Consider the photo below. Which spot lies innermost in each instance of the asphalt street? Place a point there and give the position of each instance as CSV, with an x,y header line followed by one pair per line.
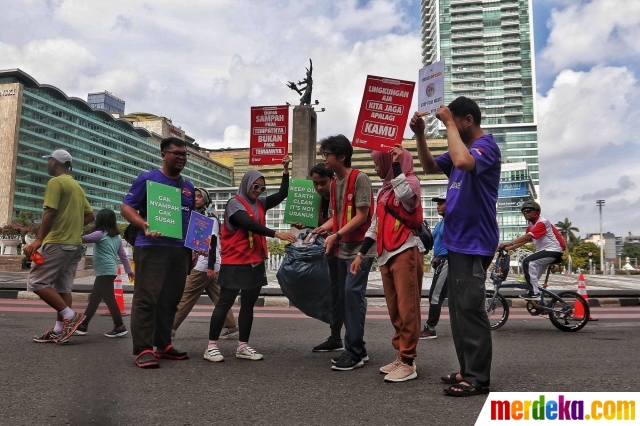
x,y
93,381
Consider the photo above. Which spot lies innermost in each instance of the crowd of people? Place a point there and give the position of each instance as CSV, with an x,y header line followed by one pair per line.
x,y
357,228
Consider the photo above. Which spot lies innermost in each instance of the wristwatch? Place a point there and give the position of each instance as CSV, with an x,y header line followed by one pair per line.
x,y
360,255
338,236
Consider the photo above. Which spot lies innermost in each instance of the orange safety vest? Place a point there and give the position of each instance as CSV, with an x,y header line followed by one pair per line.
x,y
393,233
349,209
242,247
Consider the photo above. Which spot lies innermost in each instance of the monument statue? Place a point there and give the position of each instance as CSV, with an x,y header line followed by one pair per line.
x,y
305,91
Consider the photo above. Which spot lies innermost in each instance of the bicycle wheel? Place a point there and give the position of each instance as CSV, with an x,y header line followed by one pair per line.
x,y
565,317
497,311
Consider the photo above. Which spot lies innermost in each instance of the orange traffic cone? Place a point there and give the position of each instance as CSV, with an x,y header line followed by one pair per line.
x,y
118,293
582,291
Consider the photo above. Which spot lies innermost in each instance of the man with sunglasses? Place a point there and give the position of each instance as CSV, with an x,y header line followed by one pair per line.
x,y
548,242
162,263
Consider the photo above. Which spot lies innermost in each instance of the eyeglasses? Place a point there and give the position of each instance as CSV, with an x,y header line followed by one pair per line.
x,y
258,187
179,154
525,211
326,155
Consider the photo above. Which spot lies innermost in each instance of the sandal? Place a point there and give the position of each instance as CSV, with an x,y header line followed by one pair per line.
x,y
146,359
465,389
171,353
451,379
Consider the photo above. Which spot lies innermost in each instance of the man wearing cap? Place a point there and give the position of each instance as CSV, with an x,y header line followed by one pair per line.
x,y
548,242
438,291
59,240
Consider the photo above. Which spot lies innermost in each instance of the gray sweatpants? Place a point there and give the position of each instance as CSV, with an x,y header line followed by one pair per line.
x,y
535,265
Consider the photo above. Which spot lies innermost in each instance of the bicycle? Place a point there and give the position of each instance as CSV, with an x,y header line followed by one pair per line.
x,y
561,307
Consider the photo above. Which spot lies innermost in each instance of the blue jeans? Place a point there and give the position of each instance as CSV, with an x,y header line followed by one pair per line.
x,y
353,304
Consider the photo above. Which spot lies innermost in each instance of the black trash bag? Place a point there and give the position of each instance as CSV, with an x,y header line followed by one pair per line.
x,y
304,279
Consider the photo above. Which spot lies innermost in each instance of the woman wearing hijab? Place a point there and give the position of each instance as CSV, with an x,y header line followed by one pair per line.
x,y
244,250
400,255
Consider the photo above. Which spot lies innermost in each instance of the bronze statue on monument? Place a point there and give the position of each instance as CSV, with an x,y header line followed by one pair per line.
x,y
304,92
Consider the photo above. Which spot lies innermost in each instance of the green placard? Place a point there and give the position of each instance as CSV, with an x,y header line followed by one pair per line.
x,y
303,203
164,209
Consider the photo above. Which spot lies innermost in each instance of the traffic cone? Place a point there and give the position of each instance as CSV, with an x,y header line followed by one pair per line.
x,y
118,293
582,291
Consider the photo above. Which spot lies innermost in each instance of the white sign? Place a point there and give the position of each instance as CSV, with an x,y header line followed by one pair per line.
x,y
431,87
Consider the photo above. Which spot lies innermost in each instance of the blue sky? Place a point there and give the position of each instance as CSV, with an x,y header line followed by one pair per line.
x,y
205,64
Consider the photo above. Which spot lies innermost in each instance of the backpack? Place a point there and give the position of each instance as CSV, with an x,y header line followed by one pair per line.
x,y
131,231
423,232
501,266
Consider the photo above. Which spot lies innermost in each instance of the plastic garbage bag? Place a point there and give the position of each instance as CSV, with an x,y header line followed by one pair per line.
x,y
304,279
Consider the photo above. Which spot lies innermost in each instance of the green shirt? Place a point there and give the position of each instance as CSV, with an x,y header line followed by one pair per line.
x,y
67,197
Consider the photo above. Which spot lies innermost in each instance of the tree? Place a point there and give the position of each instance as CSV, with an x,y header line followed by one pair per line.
x,y
580,255
567,230
630,250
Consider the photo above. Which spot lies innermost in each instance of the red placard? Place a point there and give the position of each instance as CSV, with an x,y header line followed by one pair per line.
x,y
383,113
269,134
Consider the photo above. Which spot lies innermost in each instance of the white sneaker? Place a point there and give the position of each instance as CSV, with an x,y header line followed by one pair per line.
x,y
213,354
248,353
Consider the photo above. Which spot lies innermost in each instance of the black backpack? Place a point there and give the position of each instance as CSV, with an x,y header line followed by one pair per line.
x,y
132,231
424,232
501,266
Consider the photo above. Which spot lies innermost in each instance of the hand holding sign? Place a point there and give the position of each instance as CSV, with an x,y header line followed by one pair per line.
x,y
397,152
150,234
444,114
286,160
417,124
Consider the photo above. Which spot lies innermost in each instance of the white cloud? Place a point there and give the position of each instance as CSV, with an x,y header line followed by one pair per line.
x,y
590,32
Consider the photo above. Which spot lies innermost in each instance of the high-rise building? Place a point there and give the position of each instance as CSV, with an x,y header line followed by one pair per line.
x,y
487,46
105,101
108,153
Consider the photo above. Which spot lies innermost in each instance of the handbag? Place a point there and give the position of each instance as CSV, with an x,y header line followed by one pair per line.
x,y
132,231
423,232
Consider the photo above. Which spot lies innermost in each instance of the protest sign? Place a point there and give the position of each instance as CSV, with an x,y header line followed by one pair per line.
x,y
269,140
383,113
164,209
431,87
199,232
303,203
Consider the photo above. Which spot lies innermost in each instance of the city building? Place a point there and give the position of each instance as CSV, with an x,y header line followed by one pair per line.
x,y
105,101
516,187
108,153
487,46
162,126
611,252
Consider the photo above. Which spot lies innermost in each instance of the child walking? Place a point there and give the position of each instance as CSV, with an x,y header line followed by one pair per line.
x,y
107,248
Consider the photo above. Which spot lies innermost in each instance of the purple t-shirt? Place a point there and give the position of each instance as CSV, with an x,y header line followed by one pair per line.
x,y
472,226
137,198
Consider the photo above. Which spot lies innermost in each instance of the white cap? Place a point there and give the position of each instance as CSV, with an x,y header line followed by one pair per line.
x,y
441,197
61,156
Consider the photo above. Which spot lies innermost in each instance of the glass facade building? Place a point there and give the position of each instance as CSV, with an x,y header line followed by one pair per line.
x,y
487,46
106,102
108,154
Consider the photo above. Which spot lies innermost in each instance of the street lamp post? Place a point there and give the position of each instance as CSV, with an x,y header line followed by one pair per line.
x,y
600,203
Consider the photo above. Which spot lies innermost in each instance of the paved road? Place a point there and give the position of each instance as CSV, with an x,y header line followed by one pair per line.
x,y
92,380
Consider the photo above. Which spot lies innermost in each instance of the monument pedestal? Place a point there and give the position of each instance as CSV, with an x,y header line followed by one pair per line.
x,y
304,141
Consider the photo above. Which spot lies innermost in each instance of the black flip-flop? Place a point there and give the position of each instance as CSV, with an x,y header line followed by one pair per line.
x,y
466,390
450,379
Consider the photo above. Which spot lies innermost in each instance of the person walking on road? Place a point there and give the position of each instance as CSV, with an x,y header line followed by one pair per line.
x,y
400,255
204,275
322,178
244,250
59,240
352,205
161,263
471,235
438,290
549,245
107,249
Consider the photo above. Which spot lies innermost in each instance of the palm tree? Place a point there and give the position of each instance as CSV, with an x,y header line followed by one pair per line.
x,y
567,230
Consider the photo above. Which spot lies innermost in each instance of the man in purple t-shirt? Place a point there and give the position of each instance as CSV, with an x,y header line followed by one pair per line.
x,y
472,165
162,263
